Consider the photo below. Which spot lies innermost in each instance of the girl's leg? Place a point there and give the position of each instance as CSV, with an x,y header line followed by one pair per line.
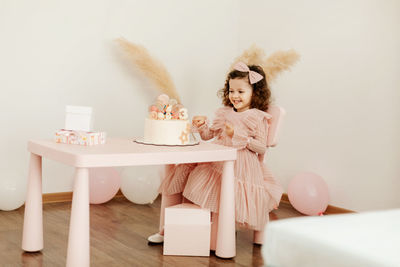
x,y
258,237
214,231
185,200
177,175
167,201
180,173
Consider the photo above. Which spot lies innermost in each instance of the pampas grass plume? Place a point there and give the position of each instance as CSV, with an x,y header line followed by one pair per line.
x,y
152,68
275,64
279,62
254,55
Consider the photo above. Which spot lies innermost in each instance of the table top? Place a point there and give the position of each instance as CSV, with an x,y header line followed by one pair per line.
x,y
126,152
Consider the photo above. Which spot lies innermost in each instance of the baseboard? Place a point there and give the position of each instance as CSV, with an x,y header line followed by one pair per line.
x,y
329,210
57,197
66,197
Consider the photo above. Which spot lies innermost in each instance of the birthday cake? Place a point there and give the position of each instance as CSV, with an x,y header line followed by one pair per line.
x,y
167,123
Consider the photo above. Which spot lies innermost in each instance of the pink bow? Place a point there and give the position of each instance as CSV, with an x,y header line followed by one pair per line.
x,y
253,76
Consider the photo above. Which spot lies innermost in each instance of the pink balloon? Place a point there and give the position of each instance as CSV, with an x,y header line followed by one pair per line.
x,y
308,193
104,184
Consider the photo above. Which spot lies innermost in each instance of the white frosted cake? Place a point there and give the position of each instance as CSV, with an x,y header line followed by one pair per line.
x,y
166,132
167,123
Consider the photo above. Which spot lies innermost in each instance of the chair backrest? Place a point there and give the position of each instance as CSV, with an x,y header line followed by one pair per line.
x,y
274,124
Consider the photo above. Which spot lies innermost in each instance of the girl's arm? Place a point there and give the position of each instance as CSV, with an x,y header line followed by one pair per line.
x,y
205,132
256,141
257,145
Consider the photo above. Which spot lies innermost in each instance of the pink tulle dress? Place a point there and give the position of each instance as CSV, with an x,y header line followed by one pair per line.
x,y
256,190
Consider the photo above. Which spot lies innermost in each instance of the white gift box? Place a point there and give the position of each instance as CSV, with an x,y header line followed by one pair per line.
x,y
78,118
187,230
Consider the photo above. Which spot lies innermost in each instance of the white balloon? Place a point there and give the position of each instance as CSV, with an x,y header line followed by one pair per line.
x,y
140,184
12,191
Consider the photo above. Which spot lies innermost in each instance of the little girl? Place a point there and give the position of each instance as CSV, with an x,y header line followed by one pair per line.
x,y
241,123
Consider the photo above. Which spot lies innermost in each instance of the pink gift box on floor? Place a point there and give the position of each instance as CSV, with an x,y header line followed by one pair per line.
x,y
187,230
80,137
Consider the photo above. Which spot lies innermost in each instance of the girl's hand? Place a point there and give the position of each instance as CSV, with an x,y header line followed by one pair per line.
x,y
198,121
229,130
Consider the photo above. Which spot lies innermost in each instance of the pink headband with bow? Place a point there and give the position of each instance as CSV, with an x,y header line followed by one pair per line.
x,y
254,77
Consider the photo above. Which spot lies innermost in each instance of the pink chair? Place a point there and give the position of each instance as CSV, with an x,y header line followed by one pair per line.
x,y
275,124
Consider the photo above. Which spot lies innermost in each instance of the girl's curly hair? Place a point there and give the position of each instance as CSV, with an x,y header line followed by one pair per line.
x,y
261,91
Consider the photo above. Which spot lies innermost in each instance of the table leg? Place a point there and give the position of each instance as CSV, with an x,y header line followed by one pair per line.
x,y
226,243
168,200
32,237
79,231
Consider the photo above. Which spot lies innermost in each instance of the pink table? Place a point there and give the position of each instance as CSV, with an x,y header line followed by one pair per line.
x,y
118,152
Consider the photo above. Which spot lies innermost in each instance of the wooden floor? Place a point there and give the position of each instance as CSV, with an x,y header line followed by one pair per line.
x,y
118,232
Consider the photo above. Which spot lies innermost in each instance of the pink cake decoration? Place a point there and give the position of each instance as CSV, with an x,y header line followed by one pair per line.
x,y
166,108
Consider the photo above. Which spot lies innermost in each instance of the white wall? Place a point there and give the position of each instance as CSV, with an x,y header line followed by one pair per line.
x,y
55,53
342,99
